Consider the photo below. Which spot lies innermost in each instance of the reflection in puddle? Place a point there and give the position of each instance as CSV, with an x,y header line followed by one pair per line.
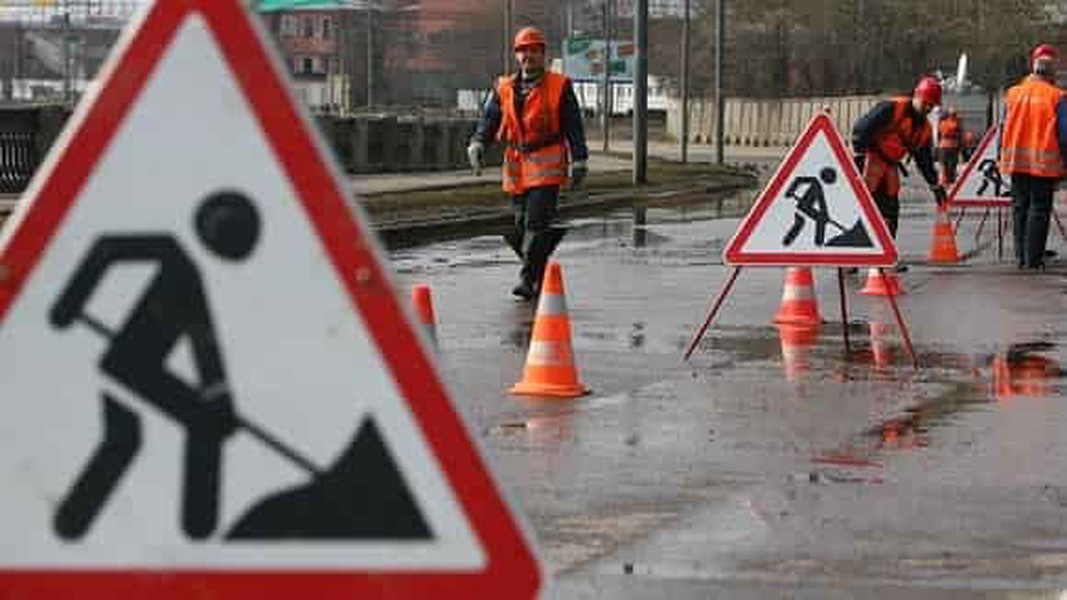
x,y
797,341
1021,371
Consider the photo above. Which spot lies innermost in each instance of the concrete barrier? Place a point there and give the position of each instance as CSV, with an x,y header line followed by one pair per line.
x,y
390,143
762,122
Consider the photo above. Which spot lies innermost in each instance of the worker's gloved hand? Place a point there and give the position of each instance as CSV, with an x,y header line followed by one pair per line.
x,y
861,160
578,172
474,155
939,194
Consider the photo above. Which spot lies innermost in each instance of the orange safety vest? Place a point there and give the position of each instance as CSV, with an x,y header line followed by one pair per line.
x,y
535,154
1029,144
903,134
948,133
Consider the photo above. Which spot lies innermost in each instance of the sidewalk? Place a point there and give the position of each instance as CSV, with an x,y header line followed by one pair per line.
x,y
617,160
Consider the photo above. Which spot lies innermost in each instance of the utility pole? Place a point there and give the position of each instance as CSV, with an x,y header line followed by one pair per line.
x,y
605,92
640,172
68,66
720,101
685,84
507,37
370,56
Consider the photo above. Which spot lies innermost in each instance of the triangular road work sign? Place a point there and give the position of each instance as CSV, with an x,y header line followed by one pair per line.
x,y
816,210
214,391
981,182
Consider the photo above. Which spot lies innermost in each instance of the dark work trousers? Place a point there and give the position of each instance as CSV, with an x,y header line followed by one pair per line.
x,y
1031,208
889,207
883,180
535,211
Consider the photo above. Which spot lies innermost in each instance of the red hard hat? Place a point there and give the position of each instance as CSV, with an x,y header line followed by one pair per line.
x,y
1044,51
529,36
929,91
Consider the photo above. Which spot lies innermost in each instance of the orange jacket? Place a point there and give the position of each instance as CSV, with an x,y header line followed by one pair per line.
x,y
1029,143
948,133
903,134
536,153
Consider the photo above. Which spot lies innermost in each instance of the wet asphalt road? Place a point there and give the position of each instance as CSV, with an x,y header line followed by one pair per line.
x,y
772,464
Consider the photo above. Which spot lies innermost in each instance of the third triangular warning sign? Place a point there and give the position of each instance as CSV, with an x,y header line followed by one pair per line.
x,y
981,183
216,392
816,210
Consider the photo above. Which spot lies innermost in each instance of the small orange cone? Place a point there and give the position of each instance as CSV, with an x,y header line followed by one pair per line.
x,y
798,299
879,284
422,302
797,341
550,369
943,248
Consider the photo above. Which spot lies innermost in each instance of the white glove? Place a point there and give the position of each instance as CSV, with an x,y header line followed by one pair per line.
x,y
474,155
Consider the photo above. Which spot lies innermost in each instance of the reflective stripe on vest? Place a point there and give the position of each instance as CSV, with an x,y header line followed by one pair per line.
x,y
1029,144
536,155
902,135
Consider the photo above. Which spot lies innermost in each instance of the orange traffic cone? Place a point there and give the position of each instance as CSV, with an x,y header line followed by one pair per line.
x,y
943,248
798,299
550,369
881,284
797,341
423,304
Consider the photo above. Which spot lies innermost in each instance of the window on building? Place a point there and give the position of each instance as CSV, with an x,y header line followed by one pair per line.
x,y
288,25
327,28
309,27
308,65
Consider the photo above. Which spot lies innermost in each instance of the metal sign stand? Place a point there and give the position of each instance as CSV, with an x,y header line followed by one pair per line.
x,y
717,304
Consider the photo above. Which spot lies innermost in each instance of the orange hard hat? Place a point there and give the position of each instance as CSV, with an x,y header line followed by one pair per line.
x,y
1044,51
529,36
929,90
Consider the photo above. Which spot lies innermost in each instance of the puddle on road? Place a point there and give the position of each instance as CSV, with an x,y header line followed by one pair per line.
x,y
806,355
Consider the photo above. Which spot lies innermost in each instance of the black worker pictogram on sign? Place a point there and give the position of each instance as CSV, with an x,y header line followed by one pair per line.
x,y
815,210
811,206
223,395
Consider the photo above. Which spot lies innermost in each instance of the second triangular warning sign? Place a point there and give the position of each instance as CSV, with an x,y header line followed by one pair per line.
x,y
218,393
816,210
981,183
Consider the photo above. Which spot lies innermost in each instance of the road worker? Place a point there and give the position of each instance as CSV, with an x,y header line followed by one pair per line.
x,y
535,113
949,140
1033,140
886,135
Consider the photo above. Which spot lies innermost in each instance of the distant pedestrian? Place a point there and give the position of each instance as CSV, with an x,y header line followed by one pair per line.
x,y
889,132
949,140
1033,140
969,144
535,113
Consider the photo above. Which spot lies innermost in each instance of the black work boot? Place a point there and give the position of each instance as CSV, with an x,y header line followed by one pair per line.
x,y
524,290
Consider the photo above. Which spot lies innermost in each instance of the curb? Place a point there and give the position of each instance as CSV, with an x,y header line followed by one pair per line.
x,y
481,218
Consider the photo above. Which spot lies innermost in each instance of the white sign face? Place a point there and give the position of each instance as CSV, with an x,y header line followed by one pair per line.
x,y
981,183
194,386
815,210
